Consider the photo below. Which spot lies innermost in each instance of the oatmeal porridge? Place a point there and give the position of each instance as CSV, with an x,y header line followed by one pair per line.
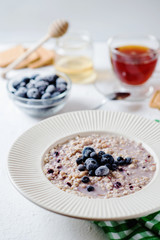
x,y
102,166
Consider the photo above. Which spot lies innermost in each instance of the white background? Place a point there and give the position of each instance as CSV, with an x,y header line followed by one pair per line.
x,y
27,20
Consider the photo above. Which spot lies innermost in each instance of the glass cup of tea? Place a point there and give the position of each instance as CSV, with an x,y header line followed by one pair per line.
x,y
133,61
74,56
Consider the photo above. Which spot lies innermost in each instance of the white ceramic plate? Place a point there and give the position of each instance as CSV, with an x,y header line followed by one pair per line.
x,y
25,165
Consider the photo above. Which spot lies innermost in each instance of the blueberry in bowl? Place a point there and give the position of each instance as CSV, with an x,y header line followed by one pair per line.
x,y
40,95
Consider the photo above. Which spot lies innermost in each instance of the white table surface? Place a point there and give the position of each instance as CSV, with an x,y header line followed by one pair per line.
x,y
21,219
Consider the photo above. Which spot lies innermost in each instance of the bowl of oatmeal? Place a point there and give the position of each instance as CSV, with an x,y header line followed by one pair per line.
x,y
94,165
99,166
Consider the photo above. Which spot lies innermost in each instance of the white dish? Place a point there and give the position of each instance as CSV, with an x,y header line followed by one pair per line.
x,y
25,164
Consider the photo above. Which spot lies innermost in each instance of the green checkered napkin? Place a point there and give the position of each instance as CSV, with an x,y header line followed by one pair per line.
x,y
142,228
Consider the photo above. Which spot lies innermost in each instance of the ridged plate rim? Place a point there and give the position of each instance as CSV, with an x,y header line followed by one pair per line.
x,y
25,171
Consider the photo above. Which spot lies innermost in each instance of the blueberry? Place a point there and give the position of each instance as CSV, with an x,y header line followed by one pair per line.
x,y
41,85
79,160
104,161
87,151
50,89
85,179
102,171
91,173
16,84
51,78
107,158
46,96
81,167
33,93
100,154
90,188
91,164
60,80
113,167
61,87
128,160
120,159
25,80
21,92
121,163
39,78
34,76
55,94
22,84
120,169
88,160
94,155
116,162
109,166
31,84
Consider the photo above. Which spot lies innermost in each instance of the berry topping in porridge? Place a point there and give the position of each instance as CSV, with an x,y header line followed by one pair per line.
x,y
90,188
39,87
81,167
102,171
102,166
85,179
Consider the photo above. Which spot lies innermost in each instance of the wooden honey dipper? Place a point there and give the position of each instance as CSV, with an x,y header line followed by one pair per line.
x,y
56,30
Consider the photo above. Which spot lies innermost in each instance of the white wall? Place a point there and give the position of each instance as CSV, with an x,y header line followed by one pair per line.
x,y
26,20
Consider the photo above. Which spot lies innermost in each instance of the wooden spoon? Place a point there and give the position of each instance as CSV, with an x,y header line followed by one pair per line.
x,y
56,30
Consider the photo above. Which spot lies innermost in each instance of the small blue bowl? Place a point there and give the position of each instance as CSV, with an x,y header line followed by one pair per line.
x,y
41,108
